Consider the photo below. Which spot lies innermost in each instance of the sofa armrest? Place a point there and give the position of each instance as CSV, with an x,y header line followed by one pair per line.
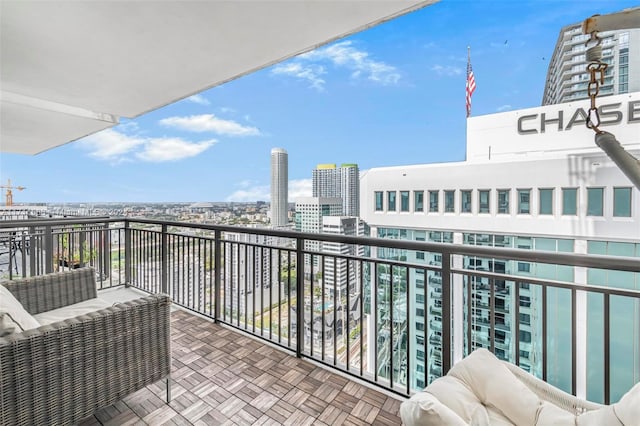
x,y
52,291
63,372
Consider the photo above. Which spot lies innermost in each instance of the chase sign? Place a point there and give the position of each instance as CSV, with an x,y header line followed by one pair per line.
x,y
610,114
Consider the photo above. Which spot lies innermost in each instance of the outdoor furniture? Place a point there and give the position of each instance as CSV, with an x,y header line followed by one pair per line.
x,y
64,352
482,390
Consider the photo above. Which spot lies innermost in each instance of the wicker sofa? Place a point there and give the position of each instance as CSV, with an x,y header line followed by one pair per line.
x,y
62,371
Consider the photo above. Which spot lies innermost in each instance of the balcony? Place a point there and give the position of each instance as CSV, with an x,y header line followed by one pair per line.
x,y
222,376
262,292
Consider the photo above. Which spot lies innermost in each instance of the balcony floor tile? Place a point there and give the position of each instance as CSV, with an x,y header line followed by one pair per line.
x,y
221,377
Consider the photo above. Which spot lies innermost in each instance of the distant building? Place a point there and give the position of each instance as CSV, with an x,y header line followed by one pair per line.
x,y
279,187
526,187
567,77
341,182
339,270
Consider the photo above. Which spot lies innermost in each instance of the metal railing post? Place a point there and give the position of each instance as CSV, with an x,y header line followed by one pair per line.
x,y
164,256
127,253
34,250
446,312
105,247
82,239
300,296
48,249
217,267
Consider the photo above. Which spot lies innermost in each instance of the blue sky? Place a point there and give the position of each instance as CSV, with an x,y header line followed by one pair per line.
x,y
391,95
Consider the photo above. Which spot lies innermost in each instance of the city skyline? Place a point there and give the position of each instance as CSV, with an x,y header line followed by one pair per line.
x,y
391,95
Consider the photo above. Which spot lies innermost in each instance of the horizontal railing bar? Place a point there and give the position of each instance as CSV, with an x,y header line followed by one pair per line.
x,y
619,263
519,279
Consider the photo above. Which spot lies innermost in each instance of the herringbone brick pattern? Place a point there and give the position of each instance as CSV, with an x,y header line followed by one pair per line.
x,y
221,377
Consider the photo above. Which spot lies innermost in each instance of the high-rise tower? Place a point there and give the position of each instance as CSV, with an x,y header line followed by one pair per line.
x,y
341,182
567,77
279,187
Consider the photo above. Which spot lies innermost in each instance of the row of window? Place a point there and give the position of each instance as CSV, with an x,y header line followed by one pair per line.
x,y
503,204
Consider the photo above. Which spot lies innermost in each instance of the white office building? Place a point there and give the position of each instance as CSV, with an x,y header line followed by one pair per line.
x,y
279,187
566,77
533,179
339,271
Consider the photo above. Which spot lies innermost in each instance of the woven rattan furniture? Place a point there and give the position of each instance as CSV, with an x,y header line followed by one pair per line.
x,y
483,390
62,372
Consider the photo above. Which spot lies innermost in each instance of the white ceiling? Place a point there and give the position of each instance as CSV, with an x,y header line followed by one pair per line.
x,y
72,68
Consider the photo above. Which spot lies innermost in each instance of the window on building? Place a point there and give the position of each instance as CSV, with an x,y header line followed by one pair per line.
x,y
524,201
418,201
524,267
404,201
391,201
503,201
420,255
525,319
449,202
622,202
546,201
525,336
595,198
378,197
484,198
433,201
465,201
569,201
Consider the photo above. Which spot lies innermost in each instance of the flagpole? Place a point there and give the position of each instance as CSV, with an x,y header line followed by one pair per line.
x,y
471,82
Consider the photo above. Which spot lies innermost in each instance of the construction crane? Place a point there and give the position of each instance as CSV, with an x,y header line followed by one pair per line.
x,y
8,198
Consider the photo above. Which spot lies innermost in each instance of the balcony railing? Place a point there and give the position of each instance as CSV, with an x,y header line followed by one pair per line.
x,y
356,312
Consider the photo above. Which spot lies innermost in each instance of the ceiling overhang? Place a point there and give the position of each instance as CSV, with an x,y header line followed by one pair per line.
x,y
70,68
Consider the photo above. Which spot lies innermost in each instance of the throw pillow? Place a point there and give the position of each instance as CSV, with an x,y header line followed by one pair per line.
x,y
11,305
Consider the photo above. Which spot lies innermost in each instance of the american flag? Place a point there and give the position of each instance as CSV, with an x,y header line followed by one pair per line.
x,y
471,84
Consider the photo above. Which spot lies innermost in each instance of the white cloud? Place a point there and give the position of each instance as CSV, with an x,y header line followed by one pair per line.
x,y
340,55
310,73
297,188
446,70
255,193
110,145
116,147
171,149
505,107
227,110
199,99
343,54
209,123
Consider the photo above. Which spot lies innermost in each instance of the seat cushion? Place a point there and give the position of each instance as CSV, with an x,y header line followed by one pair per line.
x,y
495,386
71,311
455,395
628,408
552,415
13,313
603,416
425,409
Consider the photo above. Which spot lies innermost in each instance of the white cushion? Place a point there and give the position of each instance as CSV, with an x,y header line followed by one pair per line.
x,y
425,409
496,386
14,313
628,408
455,395
71,311
603,416
496,418
552,415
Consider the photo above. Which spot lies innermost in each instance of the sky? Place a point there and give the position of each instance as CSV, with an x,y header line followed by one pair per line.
x,y
391,95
